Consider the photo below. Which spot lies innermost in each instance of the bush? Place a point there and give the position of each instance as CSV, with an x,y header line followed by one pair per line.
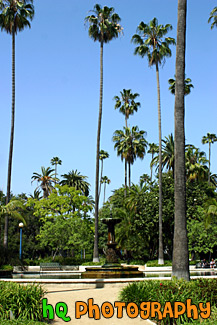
x,y
154,263
199,290
20,322
23,301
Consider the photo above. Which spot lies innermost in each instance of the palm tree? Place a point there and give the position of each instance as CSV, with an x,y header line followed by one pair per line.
x,y
153,149
151,43
130,144
180,265
188,86
105,180
209,138
167,154
102,155
103,27
54,162
13,209
46,180
195,164
126,103
76,180
14,17
213,15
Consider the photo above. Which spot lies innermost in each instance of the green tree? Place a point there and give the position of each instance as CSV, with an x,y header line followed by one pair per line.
x,y
188,86
76,180
64,228
46,180
103,27
152,43
130,144
180,265
54,162
213,16
209,138
14,17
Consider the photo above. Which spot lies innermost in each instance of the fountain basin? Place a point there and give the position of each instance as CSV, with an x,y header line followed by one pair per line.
x,y
111,272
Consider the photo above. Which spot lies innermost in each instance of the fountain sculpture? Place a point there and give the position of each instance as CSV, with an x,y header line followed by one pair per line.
x,y
112,269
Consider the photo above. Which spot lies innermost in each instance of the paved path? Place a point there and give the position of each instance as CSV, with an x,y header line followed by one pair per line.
x,y
62,293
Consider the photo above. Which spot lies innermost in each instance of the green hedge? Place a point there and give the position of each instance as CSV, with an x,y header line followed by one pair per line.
x,y
20,322
199,291
23,300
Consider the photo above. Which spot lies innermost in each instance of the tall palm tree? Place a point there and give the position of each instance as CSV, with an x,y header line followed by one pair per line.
x,y
152,43
188,86
105,180
213,16
15,15
76,180
103,27
130,144
180,265
153,149
127,106
209,138
126,103
46,180
102,155
54,162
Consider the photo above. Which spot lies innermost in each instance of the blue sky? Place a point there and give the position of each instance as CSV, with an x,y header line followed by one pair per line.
x,y
57,89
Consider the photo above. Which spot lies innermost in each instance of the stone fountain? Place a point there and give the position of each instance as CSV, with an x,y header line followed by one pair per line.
x,y
112,268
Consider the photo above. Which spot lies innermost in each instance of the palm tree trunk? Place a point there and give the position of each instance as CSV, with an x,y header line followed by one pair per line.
x,y
125,177
209,161
180,266
11,141
104,192
160,253
129,174
96,238
152,156
100,184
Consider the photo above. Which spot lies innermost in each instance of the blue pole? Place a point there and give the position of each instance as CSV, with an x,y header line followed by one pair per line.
x,y
20,243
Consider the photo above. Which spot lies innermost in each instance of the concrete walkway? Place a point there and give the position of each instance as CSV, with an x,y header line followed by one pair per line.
x,y
110,293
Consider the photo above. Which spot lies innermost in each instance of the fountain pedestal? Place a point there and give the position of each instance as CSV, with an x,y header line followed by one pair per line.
x,y
112,269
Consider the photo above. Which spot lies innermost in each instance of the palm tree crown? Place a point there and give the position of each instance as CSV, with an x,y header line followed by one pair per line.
x,y
209,138
46,180
103,24
54,162
15,15
213,16
151,41
130,144
188,86
126,103
76,180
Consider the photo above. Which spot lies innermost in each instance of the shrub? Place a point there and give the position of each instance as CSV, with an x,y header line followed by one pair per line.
x,y
20,322
23,301
154,263
199,290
